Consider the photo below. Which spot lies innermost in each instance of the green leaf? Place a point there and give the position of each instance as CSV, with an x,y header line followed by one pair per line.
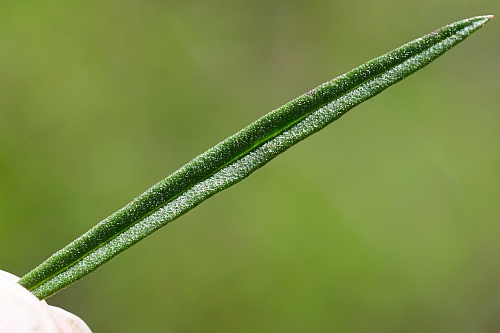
x,y
238,156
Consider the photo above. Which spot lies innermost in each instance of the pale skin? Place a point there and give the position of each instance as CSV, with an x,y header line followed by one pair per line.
x,y
22,312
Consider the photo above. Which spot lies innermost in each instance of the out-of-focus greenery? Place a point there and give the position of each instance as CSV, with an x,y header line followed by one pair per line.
x,y
398,230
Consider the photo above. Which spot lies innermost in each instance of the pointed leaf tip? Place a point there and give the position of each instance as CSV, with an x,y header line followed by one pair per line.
x,y
486,18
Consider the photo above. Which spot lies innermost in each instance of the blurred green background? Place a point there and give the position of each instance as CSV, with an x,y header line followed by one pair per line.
x,y
387,221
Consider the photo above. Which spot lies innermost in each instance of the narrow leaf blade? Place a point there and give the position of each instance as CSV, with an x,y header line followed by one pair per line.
x,y
238,156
